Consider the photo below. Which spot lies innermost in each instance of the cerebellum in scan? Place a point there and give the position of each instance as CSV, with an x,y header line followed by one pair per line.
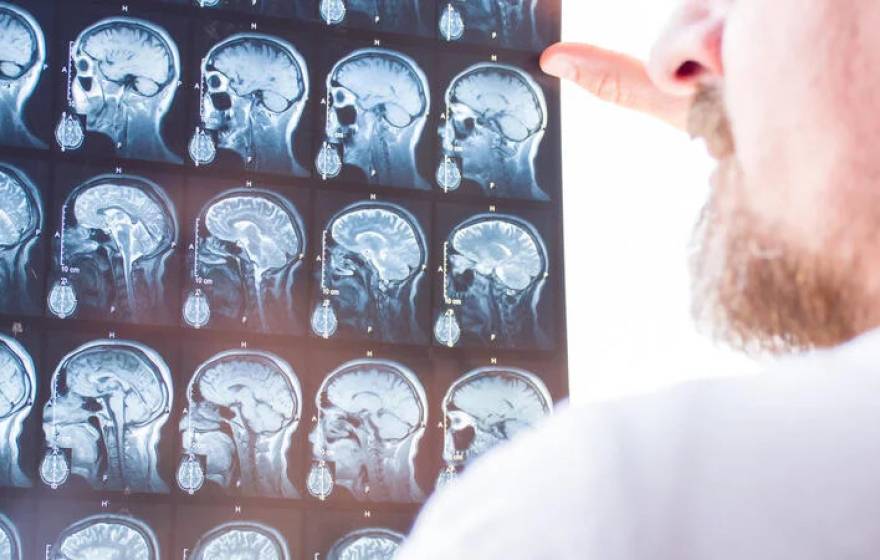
x,y
496,267
373,265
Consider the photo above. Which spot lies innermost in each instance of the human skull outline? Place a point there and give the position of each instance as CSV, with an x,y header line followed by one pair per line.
x,y
498,265
10,540
22,220
372,543
496,117
378,103
245,104
18,390
223,422
122,231
371,416
129,399
241,539
126,98
489,406
376,258
112,536
22,60
251,245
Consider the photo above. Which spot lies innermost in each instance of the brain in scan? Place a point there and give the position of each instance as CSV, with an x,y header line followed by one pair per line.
x,y
19,214
240,541
384,238
108,537
16,383
499,248
109,401
17,393
379,395
256,397
261,68
261,227
131,55
367,544
384,83
18,45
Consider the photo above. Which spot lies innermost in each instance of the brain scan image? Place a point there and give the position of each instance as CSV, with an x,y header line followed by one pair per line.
x,y
495,270
367,544
371,415
402,16
18,390
241,540
485,408
250,244
373,263
118,234
511,23
377,104
255,87
124,75
21,224
108,402
496,116
22,57
10,542
243,409
107,537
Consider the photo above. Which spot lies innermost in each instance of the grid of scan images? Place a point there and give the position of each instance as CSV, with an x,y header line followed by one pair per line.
x,y
272,272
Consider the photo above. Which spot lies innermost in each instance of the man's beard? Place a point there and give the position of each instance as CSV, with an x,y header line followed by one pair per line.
x,y
752,287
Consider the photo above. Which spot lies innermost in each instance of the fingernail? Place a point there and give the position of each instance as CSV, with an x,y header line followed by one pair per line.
x,y
560,67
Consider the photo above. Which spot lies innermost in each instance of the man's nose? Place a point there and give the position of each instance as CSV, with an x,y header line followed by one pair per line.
x,y
688,52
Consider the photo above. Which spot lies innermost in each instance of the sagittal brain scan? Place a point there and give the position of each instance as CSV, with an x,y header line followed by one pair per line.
x,y
18,390
377,104
243,408
117,235
495,268
10,542
510,23
402,16
249,246
374,259
239,540
495,119
366,544
108,402
254,89
22,57
21,224
123,76
371,416
485,408
107,537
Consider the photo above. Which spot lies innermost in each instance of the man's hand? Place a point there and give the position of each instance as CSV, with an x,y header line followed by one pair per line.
x,y
616,78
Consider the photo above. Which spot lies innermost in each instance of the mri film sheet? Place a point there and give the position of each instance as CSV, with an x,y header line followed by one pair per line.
x,y
372,281
25,78
240,432
497,130
518,24
498,288
115,247
373,127
119,96
246,259
23,218
212,533
107,415
254,109
20,386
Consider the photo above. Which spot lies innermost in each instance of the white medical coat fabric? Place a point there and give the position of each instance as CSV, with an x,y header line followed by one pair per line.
x,y
783,465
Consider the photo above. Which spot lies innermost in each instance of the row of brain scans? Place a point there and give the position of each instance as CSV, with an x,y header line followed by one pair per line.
x,y
126,537
241,257
255,107
109,400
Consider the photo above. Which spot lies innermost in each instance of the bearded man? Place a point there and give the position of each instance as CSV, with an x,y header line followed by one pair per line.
x,y
785,465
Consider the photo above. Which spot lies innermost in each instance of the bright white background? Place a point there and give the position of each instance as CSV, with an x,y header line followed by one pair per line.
x,y
632,191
